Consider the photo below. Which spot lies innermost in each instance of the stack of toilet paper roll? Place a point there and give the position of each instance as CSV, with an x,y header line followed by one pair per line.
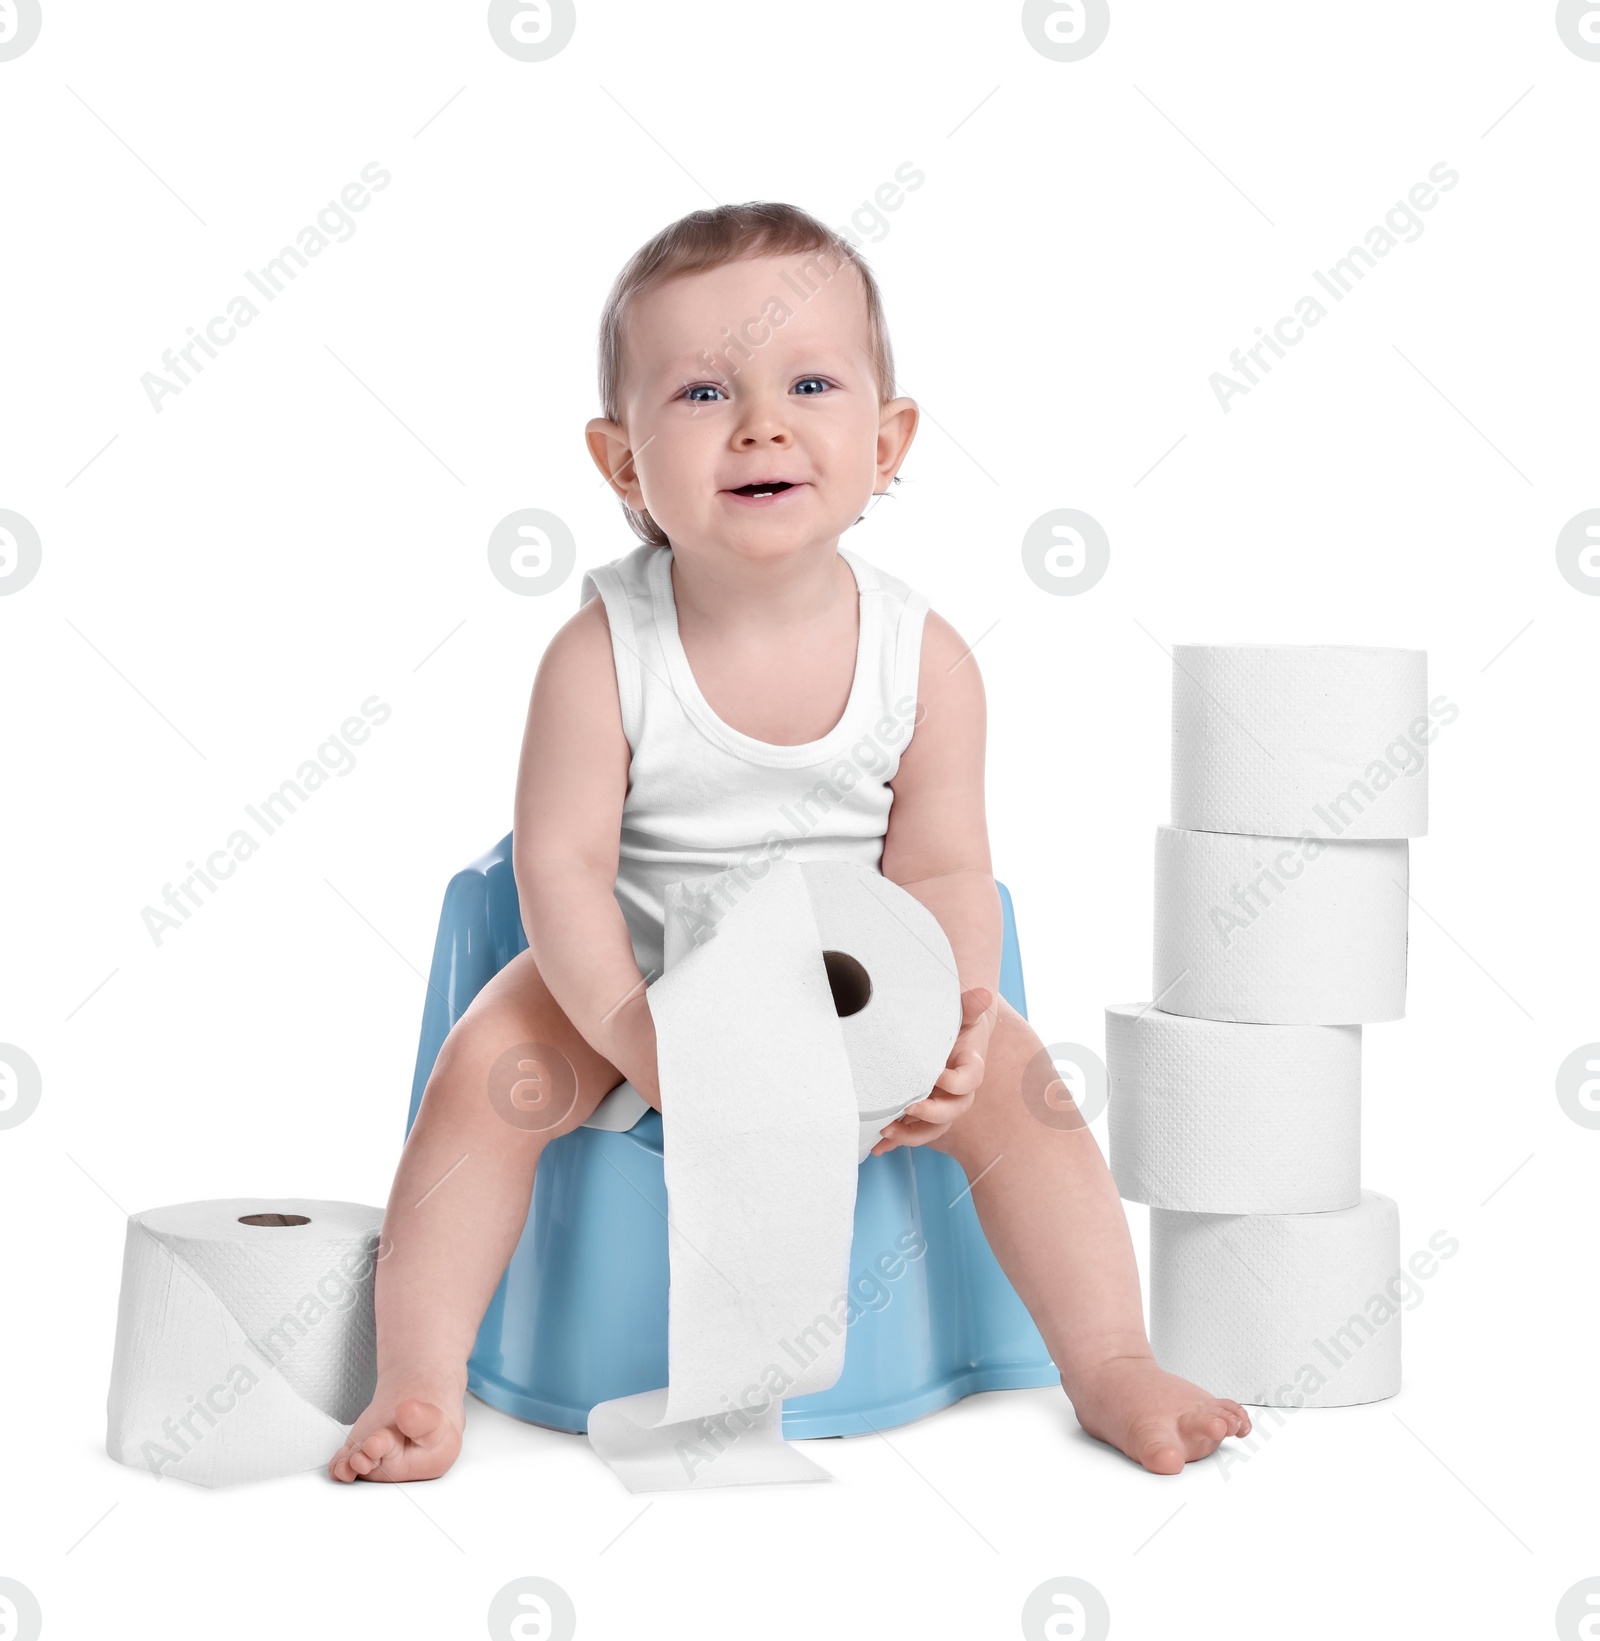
x,y
1299,773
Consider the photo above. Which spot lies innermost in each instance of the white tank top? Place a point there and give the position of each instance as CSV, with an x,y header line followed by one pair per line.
x,y
703,797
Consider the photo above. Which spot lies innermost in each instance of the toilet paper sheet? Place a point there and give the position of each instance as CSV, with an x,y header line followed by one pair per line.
x,y
243,1350
1216,1117
1285,739
1280,931
1280,1310
769,1097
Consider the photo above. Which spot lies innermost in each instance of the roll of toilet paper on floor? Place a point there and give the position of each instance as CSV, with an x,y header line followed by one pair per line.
x,y
1211,1116
1288,738
796,1015
245,1345
1280,1310
1280,931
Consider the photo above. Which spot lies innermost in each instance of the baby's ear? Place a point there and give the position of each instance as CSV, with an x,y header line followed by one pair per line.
x,y
608,446
599,433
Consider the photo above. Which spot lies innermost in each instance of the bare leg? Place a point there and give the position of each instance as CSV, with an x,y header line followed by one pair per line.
x,y
456,1210
1051,1213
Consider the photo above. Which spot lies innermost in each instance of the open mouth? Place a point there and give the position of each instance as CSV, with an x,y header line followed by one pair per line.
x,y
766,487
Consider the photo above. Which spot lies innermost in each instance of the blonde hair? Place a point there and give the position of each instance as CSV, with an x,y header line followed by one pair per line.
x,y
709,239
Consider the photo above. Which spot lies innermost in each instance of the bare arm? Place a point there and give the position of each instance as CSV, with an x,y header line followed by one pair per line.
x,y
567,822
937,849
937,843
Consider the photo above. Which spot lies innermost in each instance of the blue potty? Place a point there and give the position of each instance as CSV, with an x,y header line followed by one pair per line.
x,y
580,1315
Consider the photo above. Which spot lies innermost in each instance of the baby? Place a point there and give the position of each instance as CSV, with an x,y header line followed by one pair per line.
x,y
729,661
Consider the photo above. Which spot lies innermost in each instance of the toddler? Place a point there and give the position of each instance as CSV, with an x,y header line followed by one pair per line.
x,y
712,685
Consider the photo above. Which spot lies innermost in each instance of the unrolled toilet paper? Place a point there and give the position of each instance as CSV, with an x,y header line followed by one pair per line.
x,y
796,1015
245,1345
1217,1117
1280,1310
1286,739
1280,931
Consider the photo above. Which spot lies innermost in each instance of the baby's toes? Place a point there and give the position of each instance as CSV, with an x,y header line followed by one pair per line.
x,y
362,1454
431,1443
1203,1429
342,1465
361,1462
422,1422
381,1441
1156,1446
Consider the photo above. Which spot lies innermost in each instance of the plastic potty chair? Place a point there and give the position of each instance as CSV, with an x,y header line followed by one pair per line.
x,y
580,1315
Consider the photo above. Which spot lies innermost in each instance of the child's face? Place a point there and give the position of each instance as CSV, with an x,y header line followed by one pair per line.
x,y
702,416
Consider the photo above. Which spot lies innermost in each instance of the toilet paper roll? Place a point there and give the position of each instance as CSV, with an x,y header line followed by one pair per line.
x,y
245,1344
1211,1116
795,1016
1289,738
1280,931
1280,1310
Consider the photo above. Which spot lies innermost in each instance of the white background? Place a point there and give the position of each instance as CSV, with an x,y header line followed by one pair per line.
x,y
305,526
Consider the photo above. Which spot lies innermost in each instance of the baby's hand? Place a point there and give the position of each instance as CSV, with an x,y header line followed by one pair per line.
x,y
956,1086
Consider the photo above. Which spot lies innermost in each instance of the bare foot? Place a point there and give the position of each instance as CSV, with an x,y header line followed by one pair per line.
x,y
1161,1421
411,1430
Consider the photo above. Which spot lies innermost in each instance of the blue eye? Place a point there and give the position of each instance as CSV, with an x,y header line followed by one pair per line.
x,y
804,379
701,387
